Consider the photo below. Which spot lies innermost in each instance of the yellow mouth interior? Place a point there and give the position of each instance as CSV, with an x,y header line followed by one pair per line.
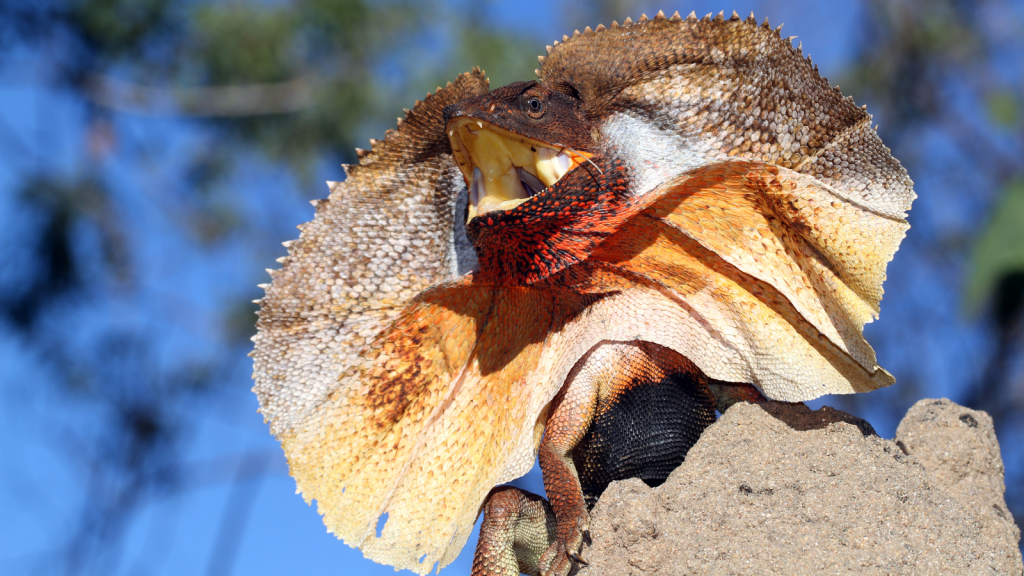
x,y
503,169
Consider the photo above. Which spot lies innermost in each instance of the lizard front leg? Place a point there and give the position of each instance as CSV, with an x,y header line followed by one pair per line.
x,y
523,533
628,409
572,412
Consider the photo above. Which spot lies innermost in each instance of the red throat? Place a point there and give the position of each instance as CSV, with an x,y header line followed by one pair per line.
x,y
555,230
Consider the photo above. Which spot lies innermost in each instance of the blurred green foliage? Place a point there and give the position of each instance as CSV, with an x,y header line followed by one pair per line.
x,y
1004,109
294,82
296,86
289,87
999,250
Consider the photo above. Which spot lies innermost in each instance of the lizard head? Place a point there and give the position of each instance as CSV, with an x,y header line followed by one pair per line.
x,y
515,143
541,194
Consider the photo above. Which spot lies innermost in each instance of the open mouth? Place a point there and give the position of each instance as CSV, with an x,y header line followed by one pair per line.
x,y
503,169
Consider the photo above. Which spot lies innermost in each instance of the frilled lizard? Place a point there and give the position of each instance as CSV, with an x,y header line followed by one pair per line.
x,y
676,206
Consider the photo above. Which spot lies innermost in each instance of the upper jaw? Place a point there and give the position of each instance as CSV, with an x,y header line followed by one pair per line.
x,y
503,169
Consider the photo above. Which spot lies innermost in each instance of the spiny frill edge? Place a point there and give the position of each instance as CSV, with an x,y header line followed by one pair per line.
x,y
379,150
690,19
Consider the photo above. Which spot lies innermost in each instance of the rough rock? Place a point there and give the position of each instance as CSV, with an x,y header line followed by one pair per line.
x,y
958,448
780,489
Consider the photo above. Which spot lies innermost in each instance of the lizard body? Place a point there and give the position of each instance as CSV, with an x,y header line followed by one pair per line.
x,y
692,186
627,410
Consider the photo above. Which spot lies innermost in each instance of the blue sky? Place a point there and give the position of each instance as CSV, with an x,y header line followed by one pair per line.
x,y
182,287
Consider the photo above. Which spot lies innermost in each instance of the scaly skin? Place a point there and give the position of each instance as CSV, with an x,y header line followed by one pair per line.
x,y
723,202
604,411
564,223
517,528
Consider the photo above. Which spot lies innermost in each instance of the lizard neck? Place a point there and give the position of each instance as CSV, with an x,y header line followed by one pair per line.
x,y
553,232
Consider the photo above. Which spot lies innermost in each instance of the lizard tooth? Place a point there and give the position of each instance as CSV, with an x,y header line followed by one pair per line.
x,y
561,163
545,167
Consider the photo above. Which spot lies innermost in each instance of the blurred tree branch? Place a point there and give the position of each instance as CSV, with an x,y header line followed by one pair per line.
x,y
288,86
257,99
294,86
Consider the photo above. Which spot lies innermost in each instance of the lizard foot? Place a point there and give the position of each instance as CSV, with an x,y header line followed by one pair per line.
x,y
727,394
517,528
559,558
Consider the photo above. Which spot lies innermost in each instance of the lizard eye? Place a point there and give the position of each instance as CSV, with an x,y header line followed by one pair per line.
x,y
534,107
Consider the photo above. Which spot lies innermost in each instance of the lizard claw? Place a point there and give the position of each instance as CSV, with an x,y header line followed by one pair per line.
x,y
558,559
579,558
